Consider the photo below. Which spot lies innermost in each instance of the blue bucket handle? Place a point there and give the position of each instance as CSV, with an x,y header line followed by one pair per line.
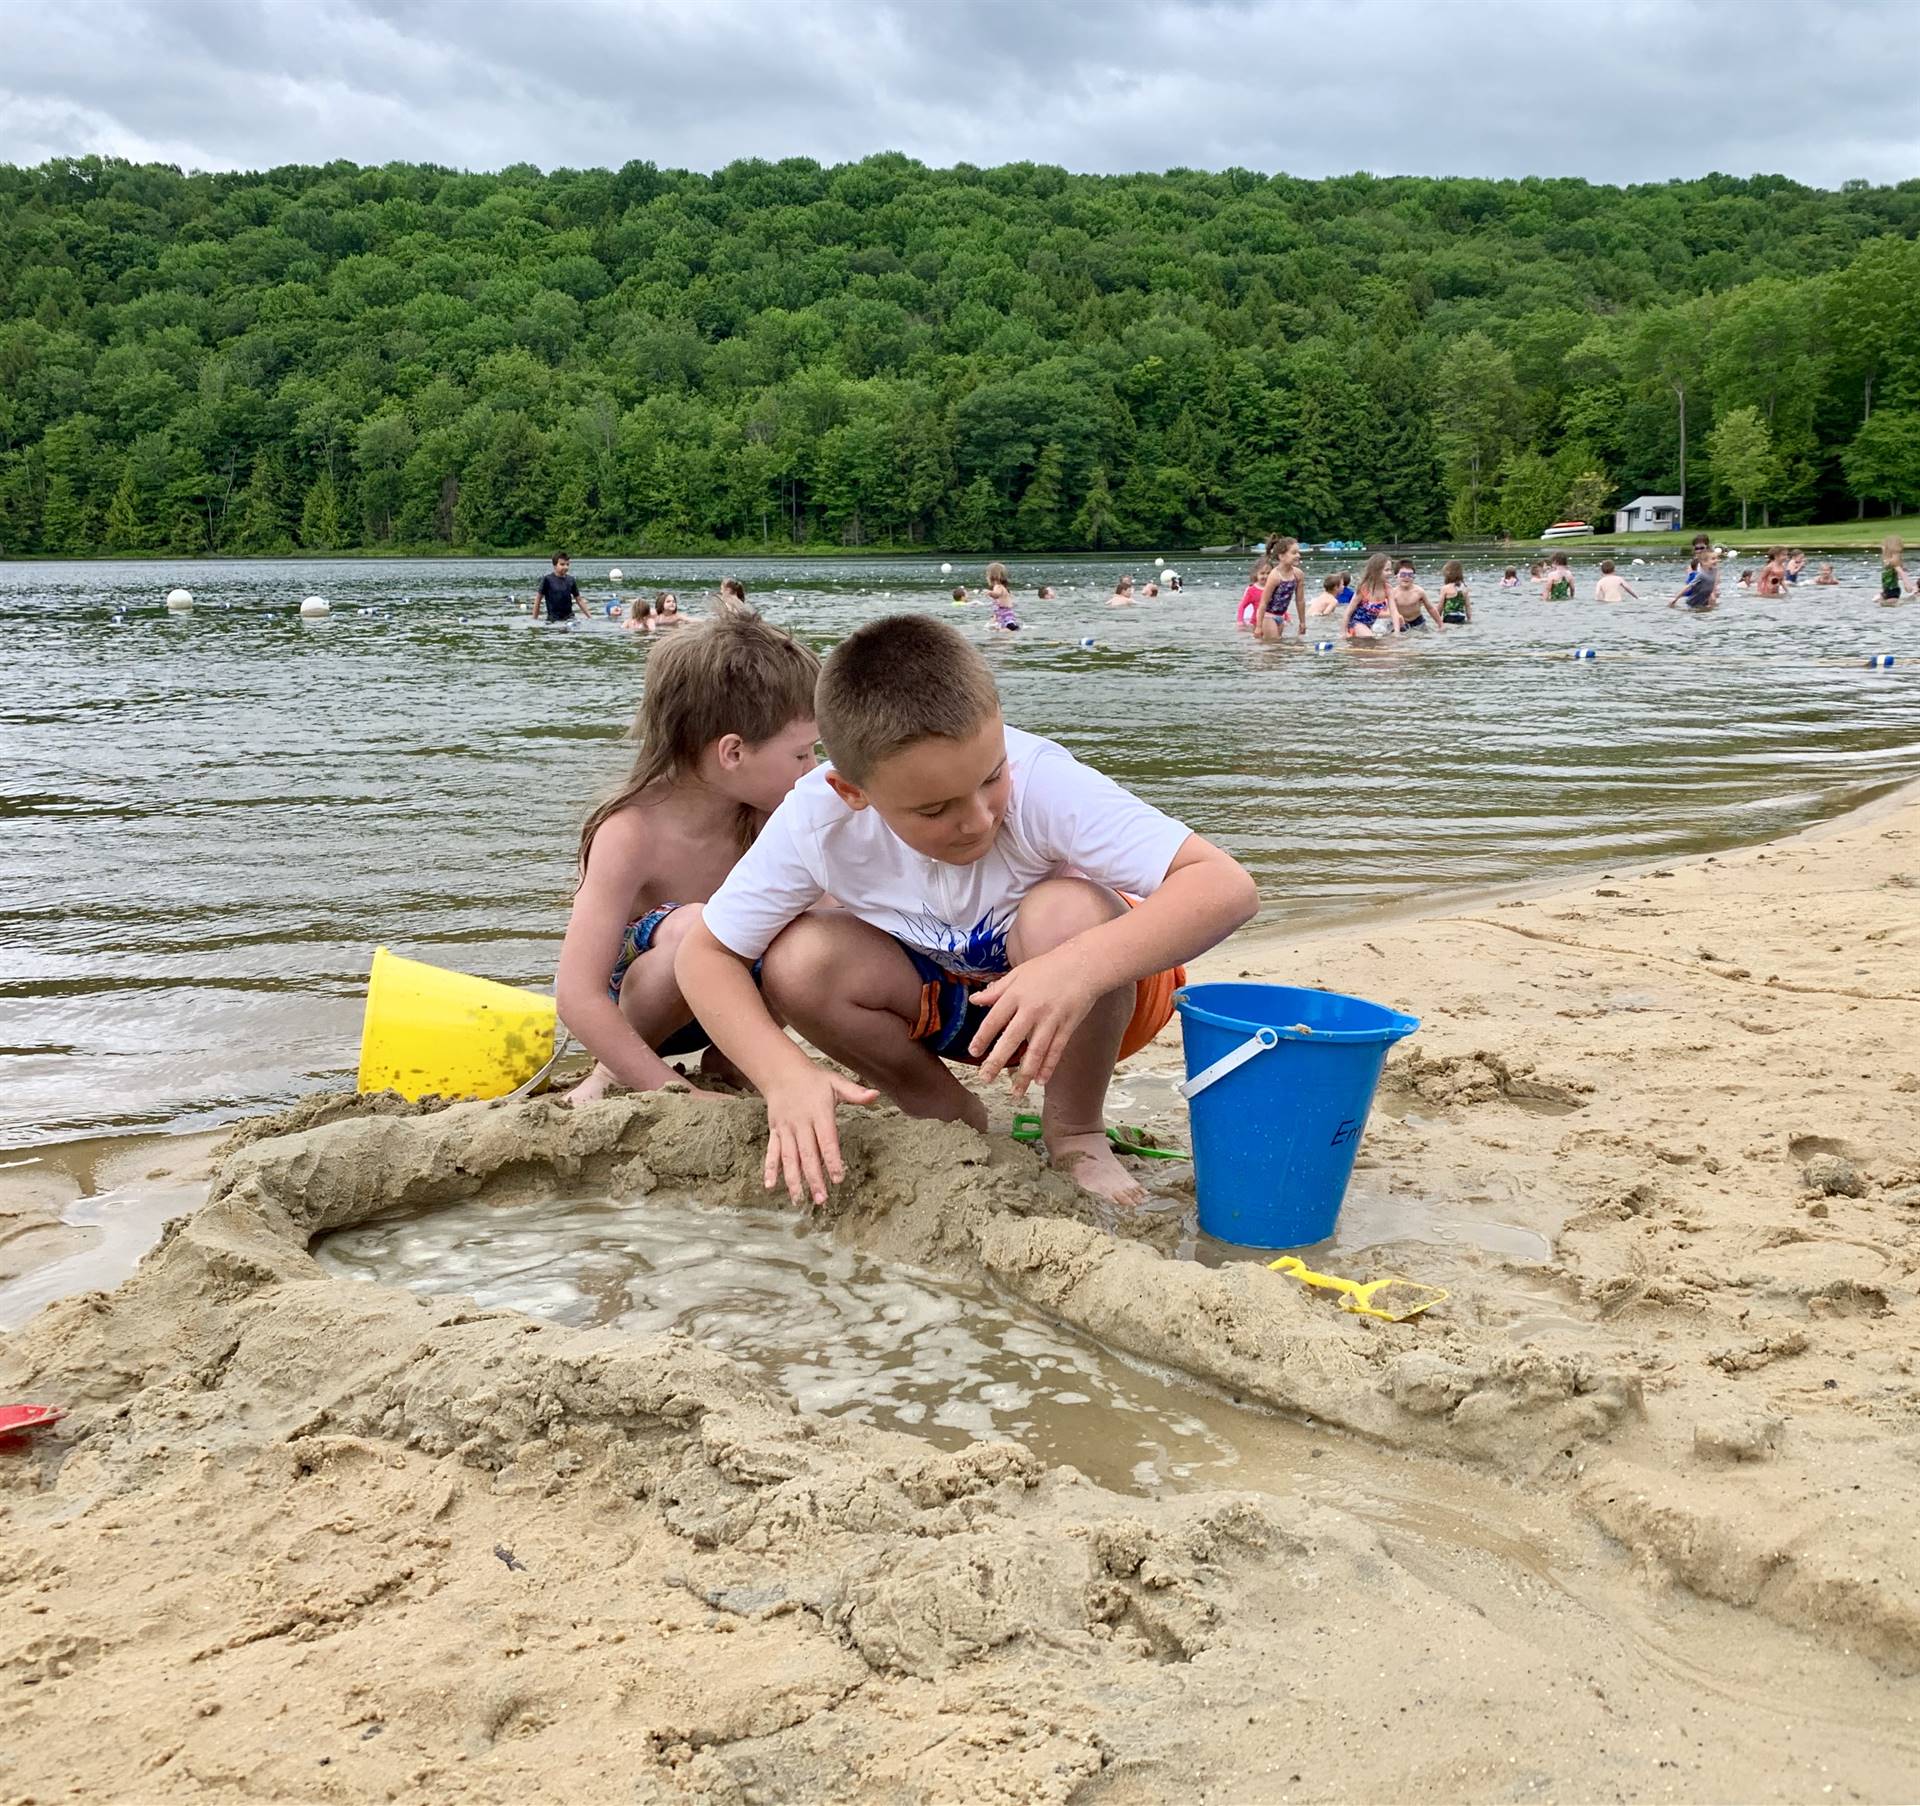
x,y
1258,1043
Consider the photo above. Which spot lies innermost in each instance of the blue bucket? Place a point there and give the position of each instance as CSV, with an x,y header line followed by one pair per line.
x,y
1279,1083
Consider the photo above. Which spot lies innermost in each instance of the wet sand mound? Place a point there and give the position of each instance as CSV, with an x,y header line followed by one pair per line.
x,y
312,1539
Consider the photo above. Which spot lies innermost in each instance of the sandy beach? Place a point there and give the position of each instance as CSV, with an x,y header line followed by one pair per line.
x,y
1630,1516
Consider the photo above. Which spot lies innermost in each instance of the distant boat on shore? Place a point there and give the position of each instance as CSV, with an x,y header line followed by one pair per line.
x,y
1568,529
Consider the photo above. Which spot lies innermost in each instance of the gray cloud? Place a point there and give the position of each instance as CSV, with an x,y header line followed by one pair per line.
x,y
1638,91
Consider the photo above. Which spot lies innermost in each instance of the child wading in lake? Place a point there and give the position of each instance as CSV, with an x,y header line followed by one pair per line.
x,y
1281,592
1511,579
1773,575
1411,604
1363,617
1456,606
1328,600
1893,573
725,730
986,882
1556,584
1612,587
1000,594
1700,591
1250,597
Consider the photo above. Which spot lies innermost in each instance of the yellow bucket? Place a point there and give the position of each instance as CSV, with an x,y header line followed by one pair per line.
x,y
430,1032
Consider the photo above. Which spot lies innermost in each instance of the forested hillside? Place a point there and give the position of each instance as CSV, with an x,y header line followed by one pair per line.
x,y
882,353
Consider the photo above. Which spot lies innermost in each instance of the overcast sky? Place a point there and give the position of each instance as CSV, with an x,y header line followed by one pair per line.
x,y
1628,91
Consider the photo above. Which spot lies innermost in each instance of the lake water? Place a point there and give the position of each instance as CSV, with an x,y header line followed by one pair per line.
x,y
210,819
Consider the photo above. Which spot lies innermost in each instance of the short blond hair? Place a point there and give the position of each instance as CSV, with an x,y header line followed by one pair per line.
x,y
895,682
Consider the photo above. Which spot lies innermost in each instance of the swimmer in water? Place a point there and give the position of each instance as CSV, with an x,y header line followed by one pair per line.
x,y
639,616
1411,603
1000,595
1893,570
1250,596
1700,592
666,611
1328,600
1612,587
1368,615
1773,575
1346,588
1511,580
1456,606
1122,596
1796,567
1826,579
960,596
1745,580
1556,583
1281,592
1044,593
1152,589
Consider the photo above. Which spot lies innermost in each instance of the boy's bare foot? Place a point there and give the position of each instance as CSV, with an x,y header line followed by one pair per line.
x,y
594,1085
1090,1162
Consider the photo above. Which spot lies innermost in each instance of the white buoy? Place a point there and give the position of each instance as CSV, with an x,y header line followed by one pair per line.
x,y
316,605
1158,562
1086,645
616,577
178,599
946,570
1639,561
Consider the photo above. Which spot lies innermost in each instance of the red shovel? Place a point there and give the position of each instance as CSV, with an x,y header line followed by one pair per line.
x,y
14,1418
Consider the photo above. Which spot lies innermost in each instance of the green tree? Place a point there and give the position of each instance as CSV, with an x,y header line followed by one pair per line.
x,y
266,507
1668,350
1740,452
1096,524
1476,417
971,528
126,530
1036,523
320,515
1531,494
1882,459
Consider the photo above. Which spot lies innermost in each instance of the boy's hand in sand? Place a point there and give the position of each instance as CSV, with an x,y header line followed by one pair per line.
x,y
1038,1005
803,1141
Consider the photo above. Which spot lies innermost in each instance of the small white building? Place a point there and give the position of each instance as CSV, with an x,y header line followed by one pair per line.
x,y
1651,514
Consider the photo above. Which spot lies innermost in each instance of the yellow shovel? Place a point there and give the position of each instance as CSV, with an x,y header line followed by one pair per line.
x,y
1403,1298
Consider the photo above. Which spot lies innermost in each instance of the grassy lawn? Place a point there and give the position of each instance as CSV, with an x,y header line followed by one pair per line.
x,y
1836,536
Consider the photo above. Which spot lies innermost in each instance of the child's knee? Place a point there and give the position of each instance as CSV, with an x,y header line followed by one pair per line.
x,y
1060,908
800,964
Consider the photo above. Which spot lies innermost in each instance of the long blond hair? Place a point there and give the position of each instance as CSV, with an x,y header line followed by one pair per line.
x,y
732,674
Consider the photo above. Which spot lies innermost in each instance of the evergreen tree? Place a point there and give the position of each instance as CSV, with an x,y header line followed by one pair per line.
x,y
1036,523
261,521
1096,524
320,515
67,524
971,528
126,531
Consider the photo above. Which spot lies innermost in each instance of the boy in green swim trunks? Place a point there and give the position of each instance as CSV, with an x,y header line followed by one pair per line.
x,y
987,885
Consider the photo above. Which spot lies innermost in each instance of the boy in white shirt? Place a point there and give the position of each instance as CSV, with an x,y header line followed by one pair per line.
x,y
986,885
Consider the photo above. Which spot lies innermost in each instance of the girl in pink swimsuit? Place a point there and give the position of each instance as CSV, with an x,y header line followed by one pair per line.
x,y
1256,588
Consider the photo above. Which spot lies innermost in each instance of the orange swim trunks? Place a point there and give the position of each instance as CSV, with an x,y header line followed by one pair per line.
x,y
949,1018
